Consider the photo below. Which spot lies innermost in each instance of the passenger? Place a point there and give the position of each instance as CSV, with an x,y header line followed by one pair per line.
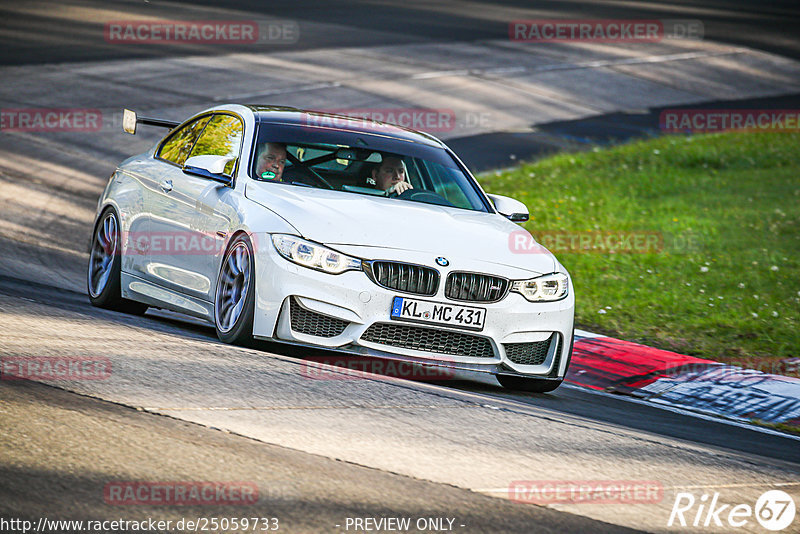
x,y
271,161
390,176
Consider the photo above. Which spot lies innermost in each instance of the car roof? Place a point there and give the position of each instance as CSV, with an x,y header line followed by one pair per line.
x,y
310,119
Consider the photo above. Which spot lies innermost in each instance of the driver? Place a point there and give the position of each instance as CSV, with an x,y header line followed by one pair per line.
x,y
271,161
390,176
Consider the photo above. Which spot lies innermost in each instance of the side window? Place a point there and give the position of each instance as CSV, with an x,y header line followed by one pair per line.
x,y
221,137
177,147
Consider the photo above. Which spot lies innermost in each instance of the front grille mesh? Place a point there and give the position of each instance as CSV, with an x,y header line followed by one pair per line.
x,y
534,353
474,287
406,277
429,340
312,323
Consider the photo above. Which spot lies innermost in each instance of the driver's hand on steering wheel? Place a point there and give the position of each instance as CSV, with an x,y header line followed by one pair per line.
x,y
398,188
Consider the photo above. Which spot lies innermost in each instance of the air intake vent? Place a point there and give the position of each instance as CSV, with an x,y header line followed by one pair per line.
x,y
405,277
534,353
429,340
474,287
312,323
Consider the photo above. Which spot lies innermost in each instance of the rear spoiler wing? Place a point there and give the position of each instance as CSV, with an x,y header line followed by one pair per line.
x,y
130,120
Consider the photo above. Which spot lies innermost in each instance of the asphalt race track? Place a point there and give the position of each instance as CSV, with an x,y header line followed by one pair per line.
x,y
320,444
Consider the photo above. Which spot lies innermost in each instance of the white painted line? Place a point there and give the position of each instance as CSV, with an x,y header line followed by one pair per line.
x,y
584,333
575,66
698,486
442,73
278,408
638,60
468,72
290,90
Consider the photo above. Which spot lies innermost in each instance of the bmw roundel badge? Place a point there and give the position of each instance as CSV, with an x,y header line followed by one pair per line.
x,y
442,261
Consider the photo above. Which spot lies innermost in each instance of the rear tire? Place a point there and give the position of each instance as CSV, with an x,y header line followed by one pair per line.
x,y
234,301
105,266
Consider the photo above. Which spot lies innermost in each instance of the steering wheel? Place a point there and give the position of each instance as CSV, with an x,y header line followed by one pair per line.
x,y
420,195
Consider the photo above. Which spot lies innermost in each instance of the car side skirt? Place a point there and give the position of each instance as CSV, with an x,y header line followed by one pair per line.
x,y
135,288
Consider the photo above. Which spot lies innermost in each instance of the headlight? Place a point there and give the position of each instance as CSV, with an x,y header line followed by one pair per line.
x,y
544,288
312,255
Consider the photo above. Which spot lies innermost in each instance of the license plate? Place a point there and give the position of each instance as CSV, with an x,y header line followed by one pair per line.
x,y
428,312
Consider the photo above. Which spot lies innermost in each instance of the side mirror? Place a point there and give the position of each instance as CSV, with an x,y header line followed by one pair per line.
x,y
513,210
211,167
129,121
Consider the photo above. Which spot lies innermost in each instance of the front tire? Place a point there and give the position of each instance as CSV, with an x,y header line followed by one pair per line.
x,y
105,265
234,301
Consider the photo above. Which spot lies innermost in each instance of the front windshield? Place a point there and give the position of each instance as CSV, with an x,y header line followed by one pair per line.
x,y
430,176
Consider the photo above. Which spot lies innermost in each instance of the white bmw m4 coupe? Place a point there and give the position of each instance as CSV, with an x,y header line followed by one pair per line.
x,y
320,230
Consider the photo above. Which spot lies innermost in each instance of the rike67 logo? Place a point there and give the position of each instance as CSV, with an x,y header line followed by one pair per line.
x,y
774,510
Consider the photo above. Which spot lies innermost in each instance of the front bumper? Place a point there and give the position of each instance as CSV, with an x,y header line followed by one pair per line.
x,y
349,309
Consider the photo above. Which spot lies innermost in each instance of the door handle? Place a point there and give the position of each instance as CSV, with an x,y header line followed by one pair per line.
x,y
166,185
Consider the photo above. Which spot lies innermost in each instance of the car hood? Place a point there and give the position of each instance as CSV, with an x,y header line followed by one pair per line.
x,y
338,218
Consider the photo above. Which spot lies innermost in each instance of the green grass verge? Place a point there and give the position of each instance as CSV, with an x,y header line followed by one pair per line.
x,y
725,281
777,426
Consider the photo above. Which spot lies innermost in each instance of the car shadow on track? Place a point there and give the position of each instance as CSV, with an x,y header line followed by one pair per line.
x,y
567,400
